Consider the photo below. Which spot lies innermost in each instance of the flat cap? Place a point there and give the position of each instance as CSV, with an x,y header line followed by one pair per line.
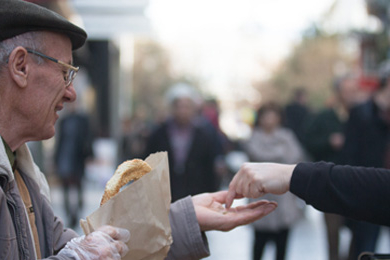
x,y
18,17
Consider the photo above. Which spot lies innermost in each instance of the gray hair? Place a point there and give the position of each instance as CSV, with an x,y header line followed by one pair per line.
x,y
182,90
30,39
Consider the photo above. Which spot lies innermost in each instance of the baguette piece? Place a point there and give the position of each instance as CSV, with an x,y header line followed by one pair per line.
x,y
127,171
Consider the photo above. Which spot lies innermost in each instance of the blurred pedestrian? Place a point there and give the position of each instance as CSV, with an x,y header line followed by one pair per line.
x,y
324,132
211,113
367,144
270,142
324,140
297,112
192,144
73,148
134,137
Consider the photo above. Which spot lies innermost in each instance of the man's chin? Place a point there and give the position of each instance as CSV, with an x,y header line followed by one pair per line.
x,y
46,135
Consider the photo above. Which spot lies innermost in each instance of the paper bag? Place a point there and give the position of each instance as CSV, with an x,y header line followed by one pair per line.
x,y
142,207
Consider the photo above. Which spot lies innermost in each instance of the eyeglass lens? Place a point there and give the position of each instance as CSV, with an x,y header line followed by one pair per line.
x,y
70,77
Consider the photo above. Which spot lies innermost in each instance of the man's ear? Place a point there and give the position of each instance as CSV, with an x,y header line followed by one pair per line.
x,y
18,66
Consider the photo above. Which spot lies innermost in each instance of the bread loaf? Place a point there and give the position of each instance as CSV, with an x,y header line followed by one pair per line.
x,y
127,171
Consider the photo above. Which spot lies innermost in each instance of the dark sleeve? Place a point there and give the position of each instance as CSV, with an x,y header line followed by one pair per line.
x,y
355,192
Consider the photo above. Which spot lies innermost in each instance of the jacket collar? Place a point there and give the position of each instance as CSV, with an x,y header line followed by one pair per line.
x,y
10,154
25,165
5,165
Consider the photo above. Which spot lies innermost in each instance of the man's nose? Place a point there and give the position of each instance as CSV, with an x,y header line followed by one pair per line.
x,y
70,93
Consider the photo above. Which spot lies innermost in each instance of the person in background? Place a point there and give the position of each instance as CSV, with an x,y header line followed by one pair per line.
x,y
270,142
36,75
324,133
297,112
324,140
135,134
192,144
73,149
210,111
367,144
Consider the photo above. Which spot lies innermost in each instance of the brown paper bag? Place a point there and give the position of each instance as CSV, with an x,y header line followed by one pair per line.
x,y
142,207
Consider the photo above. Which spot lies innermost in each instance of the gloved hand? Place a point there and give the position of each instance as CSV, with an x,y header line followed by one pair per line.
x,y
107,242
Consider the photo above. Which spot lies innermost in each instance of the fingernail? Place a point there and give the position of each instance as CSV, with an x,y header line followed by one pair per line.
x,y
269,208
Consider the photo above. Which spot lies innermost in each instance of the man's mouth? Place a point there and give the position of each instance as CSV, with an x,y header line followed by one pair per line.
x,y
59,108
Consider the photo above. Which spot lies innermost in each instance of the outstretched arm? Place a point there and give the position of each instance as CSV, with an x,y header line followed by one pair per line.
x,y
355,192
254,180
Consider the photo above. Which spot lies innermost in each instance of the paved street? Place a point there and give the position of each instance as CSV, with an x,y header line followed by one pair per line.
x,y
307,241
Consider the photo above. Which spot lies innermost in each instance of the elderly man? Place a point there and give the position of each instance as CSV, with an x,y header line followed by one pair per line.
x,y
35,82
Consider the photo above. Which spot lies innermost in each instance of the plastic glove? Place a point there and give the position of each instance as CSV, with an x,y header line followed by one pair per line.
x,y
107,242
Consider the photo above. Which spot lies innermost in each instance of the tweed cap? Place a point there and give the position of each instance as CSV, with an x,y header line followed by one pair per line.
x,y
18,17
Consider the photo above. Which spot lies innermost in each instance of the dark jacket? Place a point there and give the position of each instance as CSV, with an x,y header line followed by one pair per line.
x,y
295,116
355,192
318,131
199,173
367,136
74,145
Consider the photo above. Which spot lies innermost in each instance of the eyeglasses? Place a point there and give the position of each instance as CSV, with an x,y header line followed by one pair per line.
x,y
70,73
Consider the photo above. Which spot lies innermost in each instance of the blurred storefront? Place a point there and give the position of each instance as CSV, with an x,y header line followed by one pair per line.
x,y
111,27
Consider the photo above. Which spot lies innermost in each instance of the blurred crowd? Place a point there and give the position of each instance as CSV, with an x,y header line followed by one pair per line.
x,y
351,128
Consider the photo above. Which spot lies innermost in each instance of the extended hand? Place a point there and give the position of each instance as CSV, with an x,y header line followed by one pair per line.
x,y
253,180
212,215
